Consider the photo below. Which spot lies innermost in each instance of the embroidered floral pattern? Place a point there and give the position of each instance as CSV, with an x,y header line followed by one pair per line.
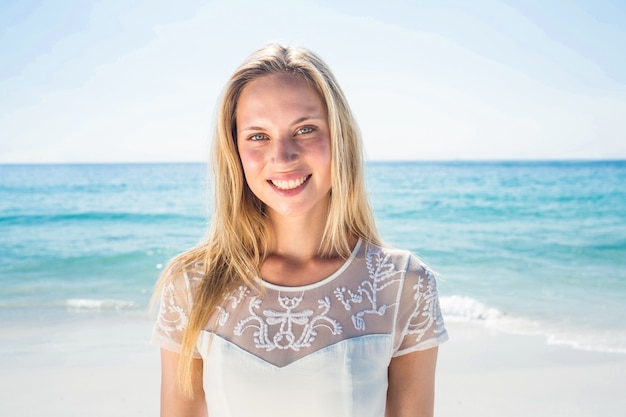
x,y
381,270
267,337
235,299
427,308
382,292
173,317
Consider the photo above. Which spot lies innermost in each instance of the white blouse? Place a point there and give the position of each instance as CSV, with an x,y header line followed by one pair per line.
x,y
316,350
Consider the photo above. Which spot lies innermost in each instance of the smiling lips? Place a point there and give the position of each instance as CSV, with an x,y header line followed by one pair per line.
x,y
289,184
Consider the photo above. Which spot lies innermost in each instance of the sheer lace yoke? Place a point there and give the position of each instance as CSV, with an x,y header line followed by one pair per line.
x,y
376,292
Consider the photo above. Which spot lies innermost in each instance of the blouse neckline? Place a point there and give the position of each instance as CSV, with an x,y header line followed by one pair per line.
x,y
319,283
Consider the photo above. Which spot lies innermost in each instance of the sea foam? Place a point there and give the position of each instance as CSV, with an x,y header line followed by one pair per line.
x,y
463,309
467,309
100,305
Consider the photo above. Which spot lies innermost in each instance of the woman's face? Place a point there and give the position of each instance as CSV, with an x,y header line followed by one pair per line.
x,y
283,140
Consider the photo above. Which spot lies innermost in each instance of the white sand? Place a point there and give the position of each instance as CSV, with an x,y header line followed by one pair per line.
x,y
488,373
105,367
92,367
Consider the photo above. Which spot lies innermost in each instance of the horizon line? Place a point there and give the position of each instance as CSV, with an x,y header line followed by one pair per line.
x,y
450,160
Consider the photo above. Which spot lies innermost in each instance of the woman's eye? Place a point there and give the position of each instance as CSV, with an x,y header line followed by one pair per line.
x,y
305,130
258,136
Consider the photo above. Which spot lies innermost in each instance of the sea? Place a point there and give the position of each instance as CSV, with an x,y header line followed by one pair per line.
x,y
534,248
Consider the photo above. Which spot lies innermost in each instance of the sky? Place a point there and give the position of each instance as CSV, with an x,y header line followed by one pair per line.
x,y
138,80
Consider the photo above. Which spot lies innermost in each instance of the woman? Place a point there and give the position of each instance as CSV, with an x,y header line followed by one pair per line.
x,y
291,306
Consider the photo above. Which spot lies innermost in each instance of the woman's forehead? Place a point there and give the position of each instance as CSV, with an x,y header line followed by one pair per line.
x,y
286,94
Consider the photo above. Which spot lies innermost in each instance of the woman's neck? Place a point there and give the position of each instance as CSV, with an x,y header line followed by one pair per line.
x,y
298,239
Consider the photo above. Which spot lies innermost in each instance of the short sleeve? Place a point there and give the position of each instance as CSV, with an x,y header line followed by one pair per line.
x,y
419,324
174,311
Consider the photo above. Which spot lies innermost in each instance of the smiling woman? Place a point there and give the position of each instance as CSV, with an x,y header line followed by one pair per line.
x,y
293,292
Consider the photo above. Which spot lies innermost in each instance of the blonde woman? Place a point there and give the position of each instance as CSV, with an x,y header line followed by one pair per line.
x,y
292,306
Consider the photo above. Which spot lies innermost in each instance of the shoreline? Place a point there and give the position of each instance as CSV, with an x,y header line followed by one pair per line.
x,y
102,366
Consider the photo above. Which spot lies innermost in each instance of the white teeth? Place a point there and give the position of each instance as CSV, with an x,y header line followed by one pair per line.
x,y
290,184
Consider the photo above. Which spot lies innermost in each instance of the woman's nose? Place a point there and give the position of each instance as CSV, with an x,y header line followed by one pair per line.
x,y
285,151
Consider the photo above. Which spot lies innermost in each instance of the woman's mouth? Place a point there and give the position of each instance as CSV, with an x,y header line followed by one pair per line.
x,y
289,184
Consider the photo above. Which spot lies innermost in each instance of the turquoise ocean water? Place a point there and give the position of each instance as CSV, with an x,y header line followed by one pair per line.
x,y
524,247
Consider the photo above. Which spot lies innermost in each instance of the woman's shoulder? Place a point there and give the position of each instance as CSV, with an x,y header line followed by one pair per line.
x,y
183,273
401,259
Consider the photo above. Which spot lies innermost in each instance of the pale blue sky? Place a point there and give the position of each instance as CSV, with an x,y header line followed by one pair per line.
x,y
121,80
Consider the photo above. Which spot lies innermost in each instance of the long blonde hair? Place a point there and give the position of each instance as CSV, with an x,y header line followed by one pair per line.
x,y
237,242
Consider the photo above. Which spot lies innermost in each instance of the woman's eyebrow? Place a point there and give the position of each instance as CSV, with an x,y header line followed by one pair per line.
x,y
250,128
306,118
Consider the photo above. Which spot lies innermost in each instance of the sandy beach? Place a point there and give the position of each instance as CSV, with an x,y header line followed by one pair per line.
x,y
88,367
488,373
105,366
